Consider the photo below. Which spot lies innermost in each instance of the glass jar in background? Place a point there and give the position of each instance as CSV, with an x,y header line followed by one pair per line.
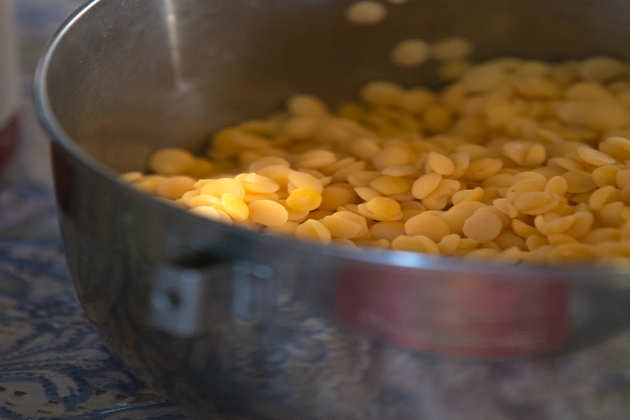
x,y
10,86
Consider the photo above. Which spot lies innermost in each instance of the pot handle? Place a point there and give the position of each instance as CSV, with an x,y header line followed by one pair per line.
x,y
186,302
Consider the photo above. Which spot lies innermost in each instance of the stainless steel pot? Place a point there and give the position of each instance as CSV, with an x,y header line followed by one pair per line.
x,y
241,325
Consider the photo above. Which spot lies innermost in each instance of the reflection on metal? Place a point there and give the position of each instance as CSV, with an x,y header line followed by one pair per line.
x,y
251,298
176,301
179,300
170,18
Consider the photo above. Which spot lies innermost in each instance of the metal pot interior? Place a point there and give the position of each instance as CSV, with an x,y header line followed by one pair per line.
x,y
127,78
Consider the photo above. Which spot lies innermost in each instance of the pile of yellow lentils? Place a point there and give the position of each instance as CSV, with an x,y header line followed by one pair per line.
x,y
516,159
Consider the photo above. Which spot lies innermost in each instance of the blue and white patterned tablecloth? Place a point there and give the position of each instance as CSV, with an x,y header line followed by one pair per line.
x,y
53,364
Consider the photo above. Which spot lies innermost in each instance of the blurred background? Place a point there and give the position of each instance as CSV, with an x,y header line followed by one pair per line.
x,y
36,21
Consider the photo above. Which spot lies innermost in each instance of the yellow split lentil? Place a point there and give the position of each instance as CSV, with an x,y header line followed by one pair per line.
x,y
345,225
268,213
174,187
429,225
411,53
304,199
366,12
515,160
452,49
313,230
171,162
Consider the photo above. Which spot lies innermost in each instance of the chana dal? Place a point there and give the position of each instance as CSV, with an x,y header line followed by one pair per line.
x,y
516,160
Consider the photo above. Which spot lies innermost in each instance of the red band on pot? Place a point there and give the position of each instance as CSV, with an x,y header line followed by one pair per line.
x,y
456,313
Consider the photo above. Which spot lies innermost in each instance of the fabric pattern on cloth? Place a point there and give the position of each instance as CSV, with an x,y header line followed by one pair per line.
x,y
53,364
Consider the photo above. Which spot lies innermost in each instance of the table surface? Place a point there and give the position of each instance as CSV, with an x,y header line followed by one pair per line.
x,y
53,364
